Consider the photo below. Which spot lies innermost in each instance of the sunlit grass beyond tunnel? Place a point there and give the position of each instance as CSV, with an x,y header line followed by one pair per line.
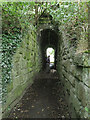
x,y
51,52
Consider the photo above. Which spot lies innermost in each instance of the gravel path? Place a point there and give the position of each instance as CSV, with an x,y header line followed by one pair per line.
x,y
41,100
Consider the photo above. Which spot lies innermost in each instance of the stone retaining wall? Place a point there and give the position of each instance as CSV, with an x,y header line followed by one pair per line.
x,y
0,80
26,63
74,71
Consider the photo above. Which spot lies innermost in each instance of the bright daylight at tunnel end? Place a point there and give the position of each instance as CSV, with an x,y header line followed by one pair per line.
x,y
45,60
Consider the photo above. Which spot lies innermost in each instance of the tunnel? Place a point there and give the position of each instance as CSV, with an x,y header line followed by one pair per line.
x,y
48,38
27,90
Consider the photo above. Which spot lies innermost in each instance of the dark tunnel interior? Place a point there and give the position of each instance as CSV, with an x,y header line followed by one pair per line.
x,y
49,38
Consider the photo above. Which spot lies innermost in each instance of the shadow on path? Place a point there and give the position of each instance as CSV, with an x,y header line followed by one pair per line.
x,y
41,100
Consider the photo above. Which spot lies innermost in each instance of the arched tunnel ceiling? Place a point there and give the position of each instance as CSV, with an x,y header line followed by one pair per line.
x,y
49,38
47,30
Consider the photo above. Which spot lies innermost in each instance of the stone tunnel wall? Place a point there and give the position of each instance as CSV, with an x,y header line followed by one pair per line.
x,y
74,71
26,63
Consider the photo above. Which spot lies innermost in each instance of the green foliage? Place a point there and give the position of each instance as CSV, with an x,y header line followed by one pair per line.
x,y
87,109
68,11
12,17
51,52
16,18
87,51
9,45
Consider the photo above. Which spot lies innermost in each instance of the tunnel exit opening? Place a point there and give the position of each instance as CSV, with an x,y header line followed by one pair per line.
x,y
51,52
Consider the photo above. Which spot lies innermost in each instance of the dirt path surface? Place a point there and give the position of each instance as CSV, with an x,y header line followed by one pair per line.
x,y
41,100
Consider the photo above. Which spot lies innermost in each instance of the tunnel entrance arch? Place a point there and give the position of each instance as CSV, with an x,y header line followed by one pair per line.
x,y
48,38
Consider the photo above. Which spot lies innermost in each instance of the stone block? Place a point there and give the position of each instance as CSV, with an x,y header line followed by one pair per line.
x,y
73,89
66,96
65,84
66,43
16,68
23,64
21,61
86,76
76,104
82,59
78,73
28,55
16,56
16,81
72,79
64,57
65,74
67,64
23,72
72,52
14,74
73,69
71,97
87,95
71,61
0,95
24,78
76,87
82,112
0,57
71,108
69,76
0,110
81,93
68,86
62,78
20,51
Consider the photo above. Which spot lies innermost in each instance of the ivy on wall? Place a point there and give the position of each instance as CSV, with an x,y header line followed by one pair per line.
x,y
9,45
15,22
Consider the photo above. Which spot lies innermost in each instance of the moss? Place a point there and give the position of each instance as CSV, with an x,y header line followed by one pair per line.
x,y
87,51
25,64
13,96
10,87
24,57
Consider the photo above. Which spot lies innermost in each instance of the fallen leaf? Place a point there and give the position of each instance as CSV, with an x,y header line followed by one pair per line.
x,y
27,98
26,111
18,109
63,116
38,112
14,113
33,106
21,111
42,110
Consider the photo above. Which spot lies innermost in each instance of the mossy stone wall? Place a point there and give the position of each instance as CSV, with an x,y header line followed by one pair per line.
x,y
73,65
0,81
26,63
